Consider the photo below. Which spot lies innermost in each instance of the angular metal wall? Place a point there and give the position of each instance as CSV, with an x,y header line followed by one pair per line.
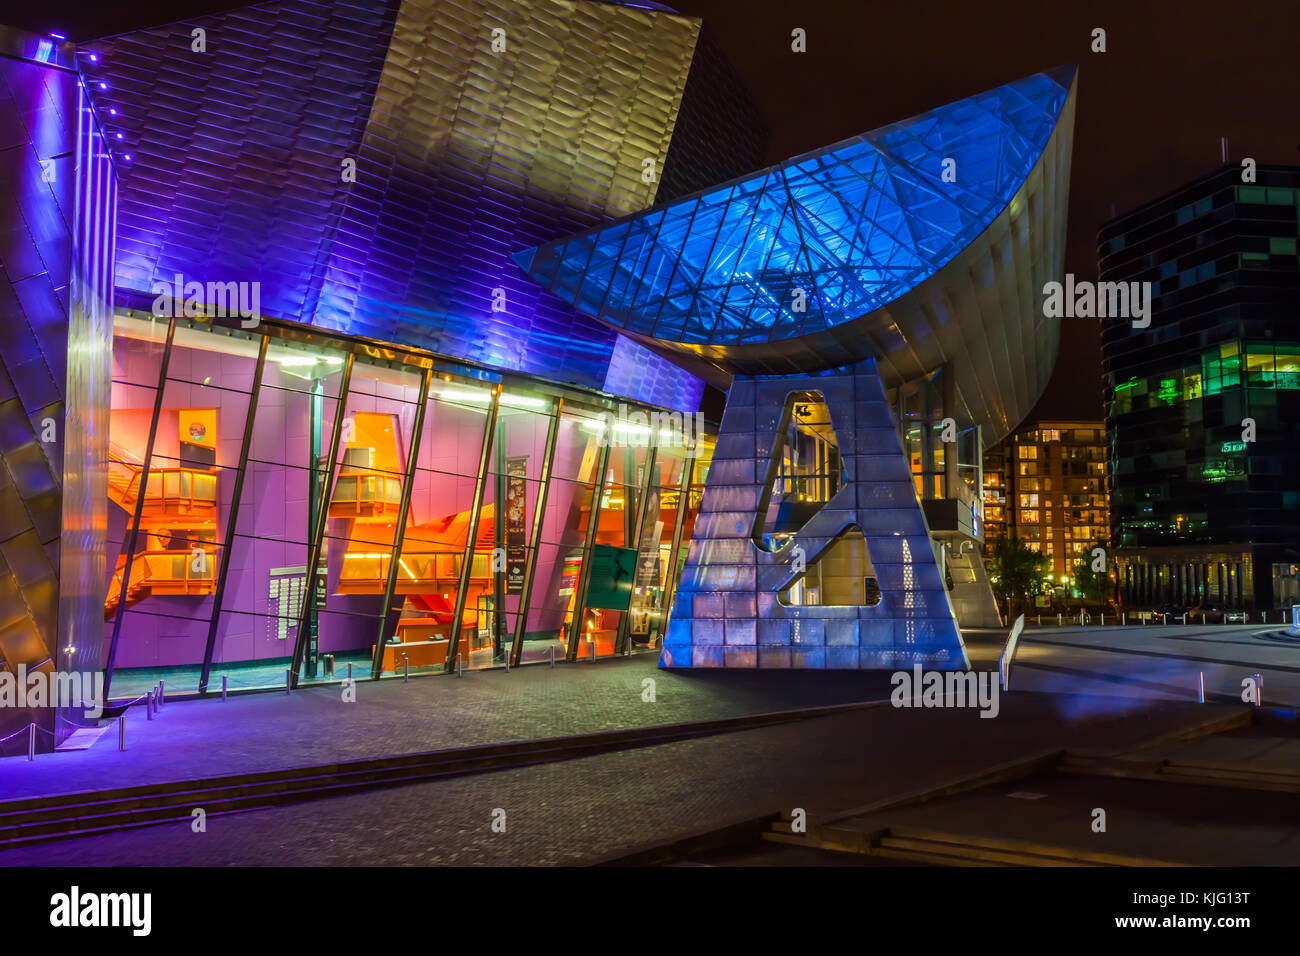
x,y
83,575
463,153
52,318
235,169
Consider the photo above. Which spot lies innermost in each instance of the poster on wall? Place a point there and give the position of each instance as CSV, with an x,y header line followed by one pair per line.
x,y
516,536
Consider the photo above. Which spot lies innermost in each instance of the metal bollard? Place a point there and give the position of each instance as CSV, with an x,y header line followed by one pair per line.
x,y
121,732
148,704
1103,618
1058,620
552,655
1259,688
31,741
406,668
223,688
329,666
1200,693
1040,620
507,662
1184,619
288,678
460,666
349,670
162,690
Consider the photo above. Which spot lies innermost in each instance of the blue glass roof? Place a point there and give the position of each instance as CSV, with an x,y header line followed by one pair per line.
x,y
852,227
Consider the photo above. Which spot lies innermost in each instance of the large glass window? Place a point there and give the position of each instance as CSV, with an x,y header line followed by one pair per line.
x,y
285,484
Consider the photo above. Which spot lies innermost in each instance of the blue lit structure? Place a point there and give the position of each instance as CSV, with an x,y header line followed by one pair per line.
x,y
840,254
899,268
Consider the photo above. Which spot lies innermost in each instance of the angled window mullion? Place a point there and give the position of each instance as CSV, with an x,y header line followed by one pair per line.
x,y
232,517
318,532
471,533
681,251
589,541
534,541
404,504
679,523
643,498
141,487
618,259
795,208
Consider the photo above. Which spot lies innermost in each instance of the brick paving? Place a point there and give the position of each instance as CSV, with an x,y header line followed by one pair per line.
x,y
583,810
197,738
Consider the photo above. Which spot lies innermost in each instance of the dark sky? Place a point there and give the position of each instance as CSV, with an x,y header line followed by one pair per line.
x,y
1177,75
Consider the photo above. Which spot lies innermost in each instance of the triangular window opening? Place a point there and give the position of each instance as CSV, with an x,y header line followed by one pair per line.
x,y
804,471
841,575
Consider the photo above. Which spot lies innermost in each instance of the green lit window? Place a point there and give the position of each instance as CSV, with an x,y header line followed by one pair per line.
x,y
1280,197
1273,368
1251,194
1281,247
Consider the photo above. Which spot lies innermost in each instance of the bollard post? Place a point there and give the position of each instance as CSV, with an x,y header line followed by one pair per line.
x,y
507,662
406,668
1103,618
1259,688
1058,620
31,741
121,732
1184,619
162,690
349,670
460,665
552,655
148,704
1123,618
1040,620
223,688
288,678
1200,682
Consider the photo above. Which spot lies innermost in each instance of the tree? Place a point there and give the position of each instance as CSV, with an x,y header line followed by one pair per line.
x,y
1092,577
1016,573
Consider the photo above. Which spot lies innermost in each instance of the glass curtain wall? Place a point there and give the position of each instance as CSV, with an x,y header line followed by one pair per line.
x,y
326,440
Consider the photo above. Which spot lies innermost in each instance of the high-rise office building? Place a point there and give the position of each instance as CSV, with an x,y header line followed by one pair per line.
x,y
1046,485
1203,404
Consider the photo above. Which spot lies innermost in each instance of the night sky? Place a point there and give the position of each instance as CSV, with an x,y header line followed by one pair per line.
x,y
1176,77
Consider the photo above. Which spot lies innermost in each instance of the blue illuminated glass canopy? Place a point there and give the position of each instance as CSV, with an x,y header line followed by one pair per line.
x,y
839,232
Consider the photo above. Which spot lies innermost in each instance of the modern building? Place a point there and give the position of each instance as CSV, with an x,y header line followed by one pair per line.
x,y
874,310
1045,485
321,354
314,412
1203,405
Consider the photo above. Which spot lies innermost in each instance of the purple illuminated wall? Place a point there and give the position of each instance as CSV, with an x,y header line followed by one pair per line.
x,y
462,155
56,208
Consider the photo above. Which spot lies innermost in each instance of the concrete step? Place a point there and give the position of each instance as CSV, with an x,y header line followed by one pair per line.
x,y
35,820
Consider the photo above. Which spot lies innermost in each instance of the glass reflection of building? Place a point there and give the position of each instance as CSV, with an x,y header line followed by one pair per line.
x,y
449,510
